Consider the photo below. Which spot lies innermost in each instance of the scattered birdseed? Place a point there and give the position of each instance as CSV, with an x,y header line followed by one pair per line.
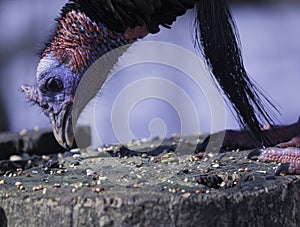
x,y
139,165
45,157
261,171
14,158
165,156
210,155
19,172
21,187
100,149
206,171
8,174
77,186
90,172
153,158
76,156
173,190
60,171
56,186
38,188
75,164
247,169
35,188
23,132
186,195
144,155
75,150
223,184
18,184
216,165
98,189
101,178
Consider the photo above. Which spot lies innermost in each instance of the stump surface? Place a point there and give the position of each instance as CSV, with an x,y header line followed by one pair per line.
x,y
90,188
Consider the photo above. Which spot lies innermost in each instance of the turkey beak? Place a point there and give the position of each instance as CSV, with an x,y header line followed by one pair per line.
x,y
62,126
61,119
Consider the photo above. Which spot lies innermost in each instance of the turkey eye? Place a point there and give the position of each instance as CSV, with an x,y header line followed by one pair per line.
x,y
54,84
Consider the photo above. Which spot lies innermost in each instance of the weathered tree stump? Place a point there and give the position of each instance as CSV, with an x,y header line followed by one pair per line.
x,y
90,188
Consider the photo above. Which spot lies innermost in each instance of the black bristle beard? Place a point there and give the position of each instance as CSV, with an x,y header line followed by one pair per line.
x,y
217,39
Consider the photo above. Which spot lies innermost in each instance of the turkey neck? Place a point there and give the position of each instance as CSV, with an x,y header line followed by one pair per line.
x,y
79,41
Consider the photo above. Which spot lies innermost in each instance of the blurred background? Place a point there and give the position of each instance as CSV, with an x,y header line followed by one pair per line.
x,y
270,37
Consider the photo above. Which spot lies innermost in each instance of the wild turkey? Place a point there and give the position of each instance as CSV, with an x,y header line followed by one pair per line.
x,y
87,29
